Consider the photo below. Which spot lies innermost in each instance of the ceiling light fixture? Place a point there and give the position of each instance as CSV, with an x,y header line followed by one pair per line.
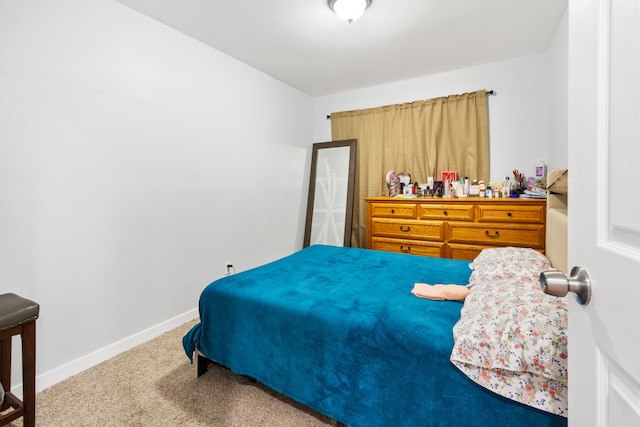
x,y
349,10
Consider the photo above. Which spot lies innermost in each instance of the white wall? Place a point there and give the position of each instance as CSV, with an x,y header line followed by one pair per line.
x,y
559,97
518,113
134,161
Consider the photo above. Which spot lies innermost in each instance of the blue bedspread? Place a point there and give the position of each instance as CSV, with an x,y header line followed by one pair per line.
x,y
338,329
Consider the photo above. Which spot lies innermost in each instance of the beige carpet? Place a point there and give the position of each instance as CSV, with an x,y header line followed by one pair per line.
x,y
154,384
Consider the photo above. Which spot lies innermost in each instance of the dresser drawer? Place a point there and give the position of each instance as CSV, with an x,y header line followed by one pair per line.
x,y
393,210
468,252
461,251
502,213
462,212
523,235
434,249
406,229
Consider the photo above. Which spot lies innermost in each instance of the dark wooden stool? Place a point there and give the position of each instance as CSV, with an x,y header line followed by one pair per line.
x,y
18,317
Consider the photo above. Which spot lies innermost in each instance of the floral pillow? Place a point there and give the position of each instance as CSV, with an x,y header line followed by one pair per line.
x,y
512,339
507,263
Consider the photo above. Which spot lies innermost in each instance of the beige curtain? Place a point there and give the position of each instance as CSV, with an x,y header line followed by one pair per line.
x,y
422,138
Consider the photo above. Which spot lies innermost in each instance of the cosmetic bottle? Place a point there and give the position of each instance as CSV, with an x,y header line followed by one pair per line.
x,y
541,170
506,187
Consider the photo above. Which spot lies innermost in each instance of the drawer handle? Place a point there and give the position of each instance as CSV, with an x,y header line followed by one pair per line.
x,y
445,213
495,235
393,211
405,249
509,214
405,230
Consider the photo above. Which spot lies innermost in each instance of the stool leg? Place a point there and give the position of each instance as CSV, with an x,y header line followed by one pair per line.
x,y
29,373
5,366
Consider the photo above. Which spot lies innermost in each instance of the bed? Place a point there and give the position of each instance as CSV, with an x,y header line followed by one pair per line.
x,y
339,330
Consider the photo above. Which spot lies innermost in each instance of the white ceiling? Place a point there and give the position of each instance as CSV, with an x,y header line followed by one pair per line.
x,y
304,44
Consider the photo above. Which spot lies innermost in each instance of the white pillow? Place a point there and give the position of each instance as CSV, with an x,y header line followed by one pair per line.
x,y
508,263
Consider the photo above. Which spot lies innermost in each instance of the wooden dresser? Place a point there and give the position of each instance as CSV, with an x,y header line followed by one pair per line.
x,y
454,228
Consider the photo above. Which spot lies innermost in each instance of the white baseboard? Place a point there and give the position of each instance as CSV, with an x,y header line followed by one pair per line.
x,y
54,376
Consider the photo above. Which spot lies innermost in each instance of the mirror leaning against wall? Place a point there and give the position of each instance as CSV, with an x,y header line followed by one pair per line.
x,y
331,187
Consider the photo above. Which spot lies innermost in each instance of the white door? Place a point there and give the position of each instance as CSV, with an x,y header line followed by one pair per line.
x,y
604,211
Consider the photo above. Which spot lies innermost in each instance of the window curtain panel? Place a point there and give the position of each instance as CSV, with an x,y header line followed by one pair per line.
x,y
422,138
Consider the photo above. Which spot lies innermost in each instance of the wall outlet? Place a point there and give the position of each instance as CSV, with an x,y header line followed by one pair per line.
x,y
228,268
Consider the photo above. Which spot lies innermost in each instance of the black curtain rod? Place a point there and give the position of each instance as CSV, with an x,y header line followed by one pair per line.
x,y
489,92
